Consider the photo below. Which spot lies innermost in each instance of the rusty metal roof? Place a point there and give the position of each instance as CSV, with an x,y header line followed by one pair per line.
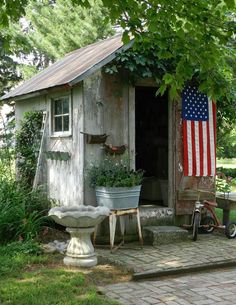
x,y
73,68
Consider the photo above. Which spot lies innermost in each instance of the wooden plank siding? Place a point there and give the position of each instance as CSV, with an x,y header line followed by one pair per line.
x,y
106,110
65,178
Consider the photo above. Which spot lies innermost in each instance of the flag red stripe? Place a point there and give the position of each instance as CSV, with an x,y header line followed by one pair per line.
x,y
193,148
208,150
214,123
201,147
185,156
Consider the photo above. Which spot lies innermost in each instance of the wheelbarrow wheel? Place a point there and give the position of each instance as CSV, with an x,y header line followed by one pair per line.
x,y
208,224
230,230
196,222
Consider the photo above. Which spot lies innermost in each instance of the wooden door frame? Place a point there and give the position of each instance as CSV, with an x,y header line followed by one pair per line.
x,y
171,137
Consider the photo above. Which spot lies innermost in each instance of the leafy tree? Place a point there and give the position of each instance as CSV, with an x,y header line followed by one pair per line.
x,y
53,28
226,142
8,73
181,41
11,10
198,37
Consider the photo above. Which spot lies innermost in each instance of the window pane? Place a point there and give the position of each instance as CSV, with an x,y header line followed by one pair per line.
x,y
66,122
58,123
65,106
57,107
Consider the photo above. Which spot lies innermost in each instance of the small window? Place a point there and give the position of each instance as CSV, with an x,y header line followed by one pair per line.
x,y
61,115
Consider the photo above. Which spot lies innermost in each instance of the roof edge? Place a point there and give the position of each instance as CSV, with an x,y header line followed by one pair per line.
x,y
35,93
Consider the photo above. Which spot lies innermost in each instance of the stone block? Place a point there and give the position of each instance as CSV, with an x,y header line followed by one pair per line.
x,y
159,235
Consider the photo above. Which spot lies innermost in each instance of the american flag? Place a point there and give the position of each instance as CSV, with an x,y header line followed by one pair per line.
x,y
199,133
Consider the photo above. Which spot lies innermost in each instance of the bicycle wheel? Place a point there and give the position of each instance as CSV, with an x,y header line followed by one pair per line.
x,y
196,222
207,221
230,230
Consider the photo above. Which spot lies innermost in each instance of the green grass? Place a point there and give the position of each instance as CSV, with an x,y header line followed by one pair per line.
x,y
219,213
227,163
27,279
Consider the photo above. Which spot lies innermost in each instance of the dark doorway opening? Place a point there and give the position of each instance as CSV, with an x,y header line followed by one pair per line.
x,y
151,143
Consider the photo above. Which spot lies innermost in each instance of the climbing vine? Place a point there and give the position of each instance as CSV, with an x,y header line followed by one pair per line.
x,y
140,65
27,145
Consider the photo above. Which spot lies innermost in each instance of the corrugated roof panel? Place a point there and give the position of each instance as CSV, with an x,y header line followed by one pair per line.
x,y
69,68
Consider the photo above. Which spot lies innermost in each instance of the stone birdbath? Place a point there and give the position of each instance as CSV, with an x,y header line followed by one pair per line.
x,y
80,222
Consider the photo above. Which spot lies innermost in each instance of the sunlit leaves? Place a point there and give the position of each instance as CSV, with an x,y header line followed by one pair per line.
x,y
197,36
11,10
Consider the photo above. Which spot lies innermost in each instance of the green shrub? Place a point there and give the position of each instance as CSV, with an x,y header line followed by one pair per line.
x,y
27,145
223,185
7,139
229,172
22,211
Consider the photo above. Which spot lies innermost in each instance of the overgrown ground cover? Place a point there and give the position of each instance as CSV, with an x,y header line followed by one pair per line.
x,y
30,278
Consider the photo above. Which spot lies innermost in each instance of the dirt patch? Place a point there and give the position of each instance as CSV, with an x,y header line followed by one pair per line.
x,y
102,274
105,274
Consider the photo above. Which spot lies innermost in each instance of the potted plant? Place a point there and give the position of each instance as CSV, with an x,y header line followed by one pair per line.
x,y
116,185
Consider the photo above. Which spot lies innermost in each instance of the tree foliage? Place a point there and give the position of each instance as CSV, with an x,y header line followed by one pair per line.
x,y
226,141
11,10
198,37
8,73
53,28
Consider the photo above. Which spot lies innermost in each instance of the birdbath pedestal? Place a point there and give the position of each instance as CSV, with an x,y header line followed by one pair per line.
x,y
80,251
80,222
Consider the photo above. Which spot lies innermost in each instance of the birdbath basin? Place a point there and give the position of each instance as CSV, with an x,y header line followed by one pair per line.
x,y
80,222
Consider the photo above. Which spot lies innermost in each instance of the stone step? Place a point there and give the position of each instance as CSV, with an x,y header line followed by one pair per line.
x,y
159,235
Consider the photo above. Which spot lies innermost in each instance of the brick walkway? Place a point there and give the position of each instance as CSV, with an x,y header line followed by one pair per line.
x,y
212,249
215,287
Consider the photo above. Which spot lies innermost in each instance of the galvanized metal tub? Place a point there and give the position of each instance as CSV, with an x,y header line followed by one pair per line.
x,y
118,198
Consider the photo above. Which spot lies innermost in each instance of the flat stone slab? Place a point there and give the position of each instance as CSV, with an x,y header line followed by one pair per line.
x,y
209,251
159,235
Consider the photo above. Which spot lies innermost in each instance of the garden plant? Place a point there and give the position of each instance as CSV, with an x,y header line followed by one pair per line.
x,y
25,271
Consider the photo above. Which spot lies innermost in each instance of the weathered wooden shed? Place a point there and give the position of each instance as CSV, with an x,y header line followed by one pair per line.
x,y
80,98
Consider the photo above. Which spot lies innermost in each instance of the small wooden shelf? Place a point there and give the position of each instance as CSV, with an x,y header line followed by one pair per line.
x,y
95,139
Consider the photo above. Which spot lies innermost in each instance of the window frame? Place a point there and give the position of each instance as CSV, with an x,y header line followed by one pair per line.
x,y
61,133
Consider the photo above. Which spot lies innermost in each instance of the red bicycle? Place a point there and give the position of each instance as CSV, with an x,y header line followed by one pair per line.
x,y
204,217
